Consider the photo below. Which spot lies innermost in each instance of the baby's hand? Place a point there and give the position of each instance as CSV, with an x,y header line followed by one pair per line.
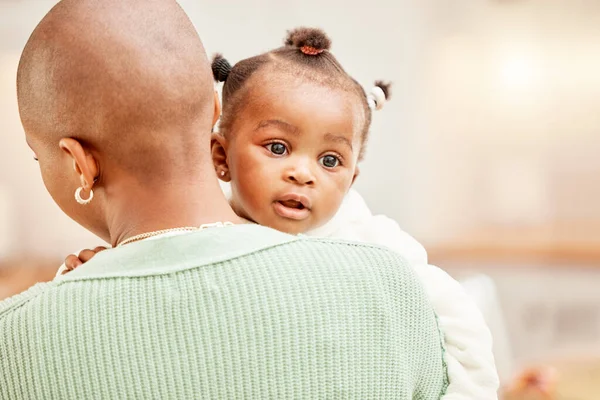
x,y
72,261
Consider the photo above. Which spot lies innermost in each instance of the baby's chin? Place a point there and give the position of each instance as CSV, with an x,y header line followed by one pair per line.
x,y
293,227
287,225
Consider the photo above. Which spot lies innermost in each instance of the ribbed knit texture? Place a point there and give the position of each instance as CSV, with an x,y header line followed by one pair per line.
x,y
287,319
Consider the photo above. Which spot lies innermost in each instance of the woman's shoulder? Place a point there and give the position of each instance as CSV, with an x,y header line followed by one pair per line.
x,y
18,302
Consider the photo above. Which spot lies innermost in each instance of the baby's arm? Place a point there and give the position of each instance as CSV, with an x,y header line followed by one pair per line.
x,y
73,261
471,367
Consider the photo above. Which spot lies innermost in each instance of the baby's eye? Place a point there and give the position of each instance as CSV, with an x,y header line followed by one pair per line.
x,y
278,149
329,161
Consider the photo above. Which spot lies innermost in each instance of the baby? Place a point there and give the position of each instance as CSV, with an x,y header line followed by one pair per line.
x,y
293,129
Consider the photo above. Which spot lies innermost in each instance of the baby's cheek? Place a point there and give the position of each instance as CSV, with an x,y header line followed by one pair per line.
x,y
329,206
246,199
333,206
332,201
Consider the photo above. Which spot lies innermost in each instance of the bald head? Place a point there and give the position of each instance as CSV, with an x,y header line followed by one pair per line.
x,y
128,78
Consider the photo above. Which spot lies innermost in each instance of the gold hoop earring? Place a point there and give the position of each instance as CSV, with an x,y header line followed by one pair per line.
x,y
80,200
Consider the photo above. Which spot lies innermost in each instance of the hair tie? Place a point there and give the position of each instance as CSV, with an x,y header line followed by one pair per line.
x,y
376,98
311,51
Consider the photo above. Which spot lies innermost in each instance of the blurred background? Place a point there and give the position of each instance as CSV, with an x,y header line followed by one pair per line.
x,y
488,153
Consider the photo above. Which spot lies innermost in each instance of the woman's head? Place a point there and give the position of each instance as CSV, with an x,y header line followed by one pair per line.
x,y
115,106
293,129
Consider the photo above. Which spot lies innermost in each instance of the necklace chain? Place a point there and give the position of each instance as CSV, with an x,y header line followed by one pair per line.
x,y
147,235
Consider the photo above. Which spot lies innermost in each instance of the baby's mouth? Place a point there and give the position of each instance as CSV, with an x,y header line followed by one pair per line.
x,y
292,204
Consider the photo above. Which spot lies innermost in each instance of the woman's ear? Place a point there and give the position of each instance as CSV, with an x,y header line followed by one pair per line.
x,y
218,147
84,162
217,111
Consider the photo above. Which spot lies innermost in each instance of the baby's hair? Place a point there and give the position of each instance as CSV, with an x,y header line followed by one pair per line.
x,y
305,54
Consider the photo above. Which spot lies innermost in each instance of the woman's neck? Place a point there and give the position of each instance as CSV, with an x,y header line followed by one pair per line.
x,y
138,209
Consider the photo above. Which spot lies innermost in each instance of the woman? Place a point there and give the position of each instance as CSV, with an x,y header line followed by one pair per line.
x,y
117,104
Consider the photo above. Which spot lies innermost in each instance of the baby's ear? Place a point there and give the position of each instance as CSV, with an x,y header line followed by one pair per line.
x,y
218,146
356,173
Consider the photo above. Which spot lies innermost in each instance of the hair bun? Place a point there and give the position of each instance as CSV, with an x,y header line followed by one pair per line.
x,y
379,95
308,38
385,87
220,68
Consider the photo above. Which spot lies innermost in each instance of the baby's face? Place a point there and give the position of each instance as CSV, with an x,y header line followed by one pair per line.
x,y
292,154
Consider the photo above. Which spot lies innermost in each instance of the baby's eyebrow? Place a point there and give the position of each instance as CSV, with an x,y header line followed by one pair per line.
x,y
289,128
339,138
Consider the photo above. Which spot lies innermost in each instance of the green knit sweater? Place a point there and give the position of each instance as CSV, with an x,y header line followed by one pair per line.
x,y
240,312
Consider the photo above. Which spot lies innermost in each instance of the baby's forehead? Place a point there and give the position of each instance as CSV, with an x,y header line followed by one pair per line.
x,y
302,99
289,75
273,88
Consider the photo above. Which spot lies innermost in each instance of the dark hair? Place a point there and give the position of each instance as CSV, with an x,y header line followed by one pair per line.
x,y
306,54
